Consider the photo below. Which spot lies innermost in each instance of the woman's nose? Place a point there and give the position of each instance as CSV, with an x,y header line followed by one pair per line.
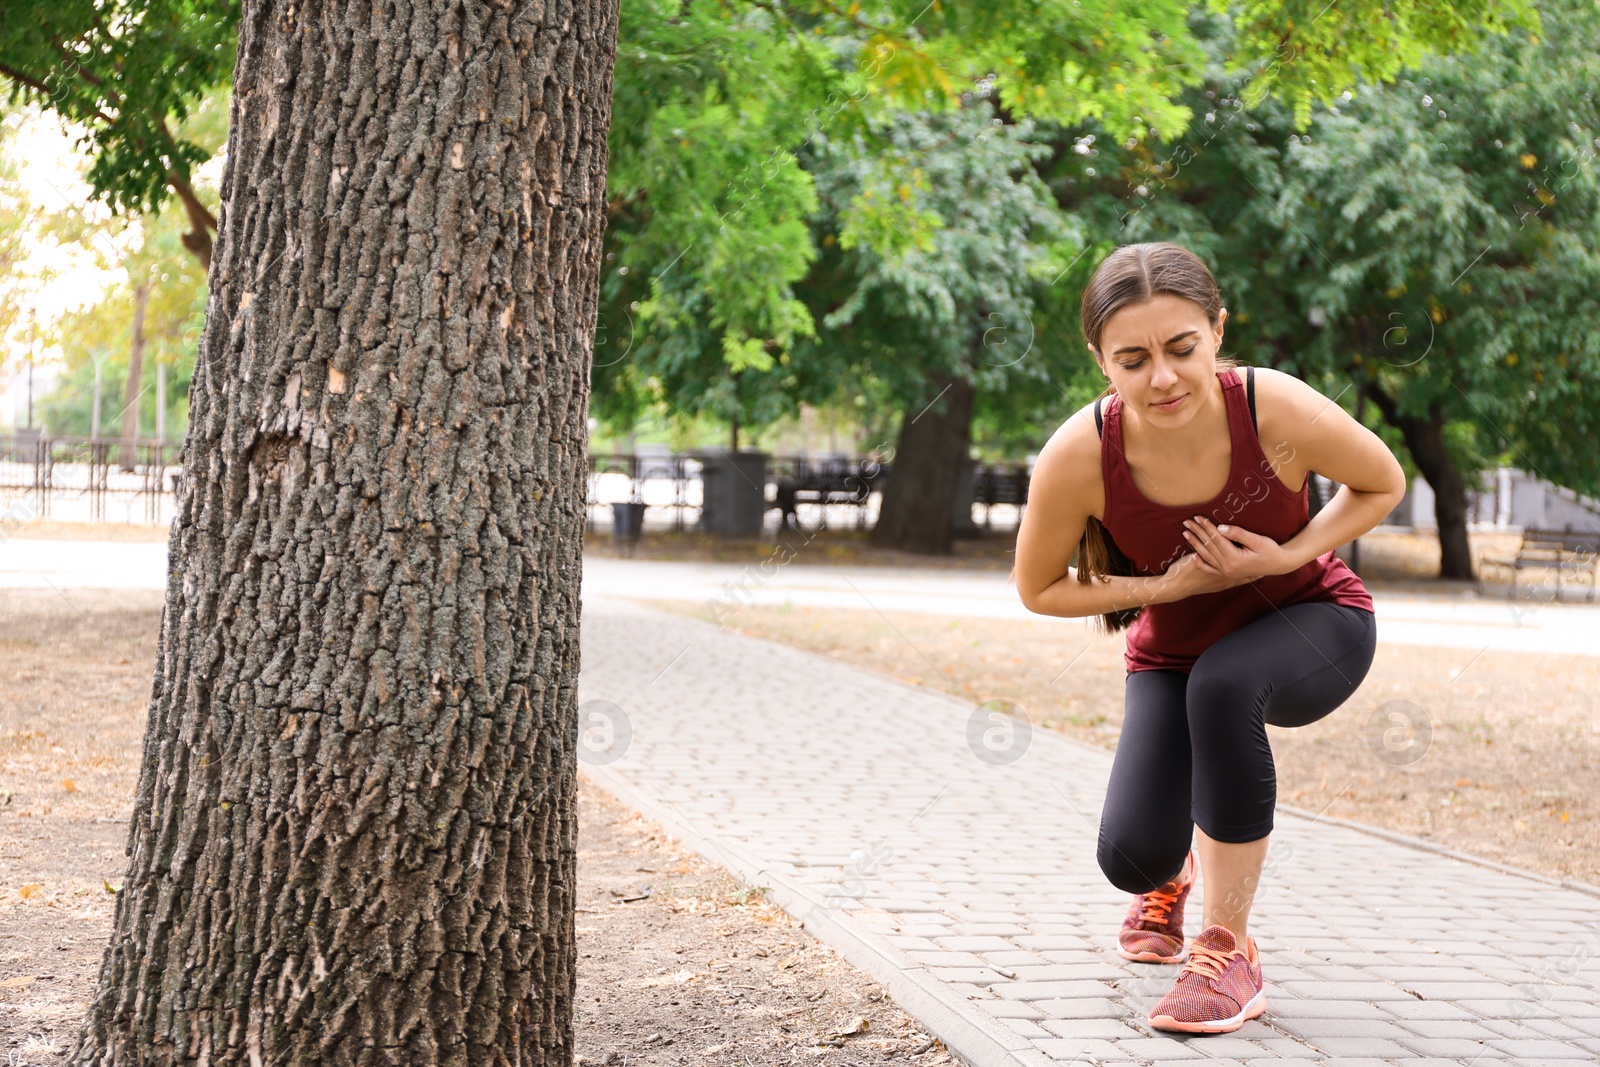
x,y
1162,375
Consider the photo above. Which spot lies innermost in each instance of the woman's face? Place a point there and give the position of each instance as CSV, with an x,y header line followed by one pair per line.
x,y
1161,355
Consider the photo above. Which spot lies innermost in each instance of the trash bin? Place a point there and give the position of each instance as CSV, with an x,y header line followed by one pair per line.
x,y
734,492
627,523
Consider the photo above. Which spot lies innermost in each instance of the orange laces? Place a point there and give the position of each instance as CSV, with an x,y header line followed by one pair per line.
x,y
1210,962
1156,906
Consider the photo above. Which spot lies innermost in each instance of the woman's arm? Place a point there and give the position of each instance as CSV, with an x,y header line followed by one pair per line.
x,y
1062,493
1322,437
1070,598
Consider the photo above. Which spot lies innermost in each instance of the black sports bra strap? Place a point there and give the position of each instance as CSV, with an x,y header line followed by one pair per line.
x,y
1250,392
1097,425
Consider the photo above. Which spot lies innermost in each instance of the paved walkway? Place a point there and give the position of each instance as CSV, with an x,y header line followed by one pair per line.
x,y
959,870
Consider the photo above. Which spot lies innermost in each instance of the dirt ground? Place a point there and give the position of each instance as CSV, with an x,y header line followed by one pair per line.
x,y
679,962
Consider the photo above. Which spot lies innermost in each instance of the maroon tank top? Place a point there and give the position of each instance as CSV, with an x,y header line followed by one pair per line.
x,y
1172,636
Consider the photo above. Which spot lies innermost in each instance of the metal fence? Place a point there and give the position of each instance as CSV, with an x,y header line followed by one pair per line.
x,y
817,491
109,479
90,479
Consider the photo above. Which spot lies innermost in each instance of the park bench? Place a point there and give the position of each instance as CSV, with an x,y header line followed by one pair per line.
x,y
999,484
1570,553
827,481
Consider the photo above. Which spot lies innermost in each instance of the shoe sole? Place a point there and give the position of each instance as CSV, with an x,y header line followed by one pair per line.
x,y
1257,1005
1149,957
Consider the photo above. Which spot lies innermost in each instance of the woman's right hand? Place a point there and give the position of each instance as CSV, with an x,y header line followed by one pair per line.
x,y
1189,576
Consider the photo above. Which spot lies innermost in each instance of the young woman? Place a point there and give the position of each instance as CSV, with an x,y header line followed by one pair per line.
x,y
1183,490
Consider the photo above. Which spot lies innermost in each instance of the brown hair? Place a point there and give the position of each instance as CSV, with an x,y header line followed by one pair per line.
x,y
1132,274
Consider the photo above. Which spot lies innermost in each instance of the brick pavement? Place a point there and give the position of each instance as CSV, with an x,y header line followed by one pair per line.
x,y
954,861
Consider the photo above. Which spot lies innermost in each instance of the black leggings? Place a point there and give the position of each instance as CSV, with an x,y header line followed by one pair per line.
x,y
1194,749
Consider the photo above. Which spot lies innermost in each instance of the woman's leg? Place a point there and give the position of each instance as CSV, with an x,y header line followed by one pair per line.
x,y
1290,667
1145,827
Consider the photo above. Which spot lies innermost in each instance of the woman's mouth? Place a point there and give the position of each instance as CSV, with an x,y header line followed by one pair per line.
x,y
1170,405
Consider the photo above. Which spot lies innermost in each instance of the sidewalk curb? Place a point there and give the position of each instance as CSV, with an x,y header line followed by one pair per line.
x,y
974,1038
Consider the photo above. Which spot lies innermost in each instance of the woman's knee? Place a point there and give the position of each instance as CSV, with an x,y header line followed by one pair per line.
x,y
1136,864
1219,688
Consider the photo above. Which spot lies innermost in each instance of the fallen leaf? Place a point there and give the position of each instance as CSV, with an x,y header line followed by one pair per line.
x,y
1566,816
17,983
1463,781
28,892
860,1024
69,785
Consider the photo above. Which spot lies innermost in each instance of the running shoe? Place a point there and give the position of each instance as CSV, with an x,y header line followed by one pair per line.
x,y
1217,990
1152,931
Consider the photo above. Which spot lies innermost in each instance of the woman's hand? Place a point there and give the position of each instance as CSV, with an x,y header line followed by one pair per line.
x,y
1232,553
1189,576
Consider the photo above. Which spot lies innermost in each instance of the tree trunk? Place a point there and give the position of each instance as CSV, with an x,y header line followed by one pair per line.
x,y
353,839
920,493
133,390
1425,440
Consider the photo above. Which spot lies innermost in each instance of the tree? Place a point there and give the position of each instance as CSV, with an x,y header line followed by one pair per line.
x,y
354,834
126,70
1426,250
925,328
702,266
708,215
1462,306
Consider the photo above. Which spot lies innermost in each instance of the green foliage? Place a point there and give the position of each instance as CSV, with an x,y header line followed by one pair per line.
x,y
1460,209
717,102
712,249
961,299
124,70
1432,242
1306,52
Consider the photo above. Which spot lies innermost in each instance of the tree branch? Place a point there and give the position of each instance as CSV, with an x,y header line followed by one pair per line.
x,y
40,87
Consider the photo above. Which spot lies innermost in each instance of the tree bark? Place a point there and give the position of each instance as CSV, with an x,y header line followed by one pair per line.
x,y
133,390
1424,438
920,492
353,838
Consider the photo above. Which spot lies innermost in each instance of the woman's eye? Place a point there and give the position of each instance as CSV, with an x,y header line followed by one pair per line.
x,y
1136,364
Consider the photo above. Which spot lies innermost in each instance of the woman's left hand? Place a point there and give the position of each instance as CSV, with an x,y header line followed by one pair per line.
x,y
1218,550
